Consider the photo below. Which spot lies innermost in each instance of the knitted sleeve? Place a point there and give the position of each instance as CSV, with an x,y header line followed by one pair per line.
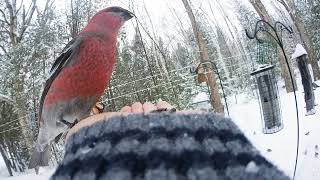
x,y
164,147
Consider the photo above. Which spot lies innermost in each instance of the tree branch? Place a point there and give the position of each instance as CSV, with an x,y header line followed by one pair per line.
x,y
9,6
3,49
29,16
4,16
286,6
29,8
5,31
27,20
19,8
3,21
280,1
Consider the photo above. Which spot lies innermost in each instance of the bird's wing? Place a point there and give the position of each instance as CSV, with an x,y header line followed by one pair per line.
x,y
66,56
67,53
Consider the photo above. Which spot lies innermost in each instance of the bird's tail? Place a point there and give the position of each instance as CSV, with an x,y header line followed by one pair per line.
x,y
39,158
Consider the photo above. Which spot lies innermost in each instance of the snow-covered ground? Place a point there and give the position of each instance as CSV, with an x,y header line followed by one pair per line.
x,y
45,173
279,148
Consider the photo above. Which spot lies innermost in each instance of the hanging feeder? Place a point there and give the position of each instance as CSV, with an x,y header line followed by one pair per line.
x,y
201,74
269,99
300,55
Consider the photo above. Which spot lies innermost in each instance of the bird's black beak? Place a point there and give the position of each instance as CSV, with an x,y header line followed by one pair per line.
x,y
127,15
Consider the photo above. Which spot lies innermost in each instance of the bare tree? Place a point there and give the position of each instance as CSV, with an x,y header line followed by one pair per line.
x,y
28,44
79,14
5,158
16,23
16,18
204,58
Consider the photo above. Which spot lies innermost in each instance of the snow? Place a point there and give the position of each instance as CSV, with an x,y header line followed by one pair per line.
x,y
3,169
45,173
299,51
200,97
200,101
262,67
279,148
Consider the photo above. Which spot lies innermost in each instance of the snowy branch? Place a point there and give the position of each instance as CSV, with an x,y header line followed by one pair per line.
x,y
6,98
19,8
3,49
4,17
26,19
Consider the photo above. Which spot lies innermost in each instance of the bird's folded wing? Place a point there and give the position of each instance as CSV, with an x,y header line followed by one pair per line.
x,y
66,56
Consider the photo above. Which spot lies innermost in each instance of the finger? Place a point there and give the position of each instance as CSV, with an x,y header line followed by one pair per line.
x,y
164,105
94,110
148,107
137,108
126,109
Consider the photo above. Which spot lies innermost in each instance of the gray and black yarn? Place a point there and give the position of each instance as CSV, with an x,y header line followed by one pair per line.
x,y
164,146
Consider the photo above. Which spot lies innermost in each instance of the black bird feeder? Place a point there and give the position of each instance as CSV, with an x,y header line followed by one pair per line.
x,y
275,32
269,99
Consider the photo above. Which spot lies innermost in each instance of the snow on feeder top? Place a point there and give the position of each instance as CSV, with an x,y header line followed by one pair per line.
x,y
299,51
269,99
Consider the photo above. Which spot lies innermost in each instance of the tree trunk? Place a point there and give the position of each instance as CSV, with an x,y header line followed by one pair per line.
x,y
6,160
221,60
204,57
110,96
305,37
20,101
263,13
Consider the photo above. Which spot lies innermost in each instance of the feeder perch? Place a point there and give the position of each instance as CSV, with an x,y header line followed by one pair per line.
x,y
269,99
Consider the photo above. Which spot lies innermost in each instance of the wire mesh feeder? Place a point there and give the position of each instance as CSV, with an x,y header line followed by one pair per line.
x,y
264,53
269,99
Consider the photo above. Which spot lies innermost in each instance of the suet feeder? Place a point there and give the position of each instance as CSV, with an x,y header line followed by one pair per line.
x,y
269,99
201,74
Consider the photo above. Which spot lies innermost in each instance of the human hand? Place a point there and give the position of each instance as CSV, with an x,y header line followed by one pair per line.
x,y
135,108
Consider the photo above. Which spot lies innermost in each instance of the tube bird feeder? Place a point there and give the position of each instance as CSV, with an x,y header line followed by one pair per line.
x,y
269,99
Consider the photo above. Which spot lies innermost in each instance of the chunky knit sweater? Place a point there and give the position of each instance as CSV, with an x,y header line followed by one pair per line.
x,y
164,146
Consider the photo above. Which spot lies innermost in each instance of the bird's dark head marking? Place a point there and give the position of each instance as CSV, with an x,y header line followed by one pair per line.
x,y
109,19
119,11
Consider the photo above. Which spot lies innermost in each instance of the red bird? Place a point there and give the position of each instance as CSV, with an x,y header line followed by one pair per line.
x,y
73,86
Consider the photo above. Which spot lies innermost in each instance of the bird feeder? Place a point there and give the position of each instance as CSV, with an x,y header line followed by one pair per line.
x,y
201,74
300,55
269,99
